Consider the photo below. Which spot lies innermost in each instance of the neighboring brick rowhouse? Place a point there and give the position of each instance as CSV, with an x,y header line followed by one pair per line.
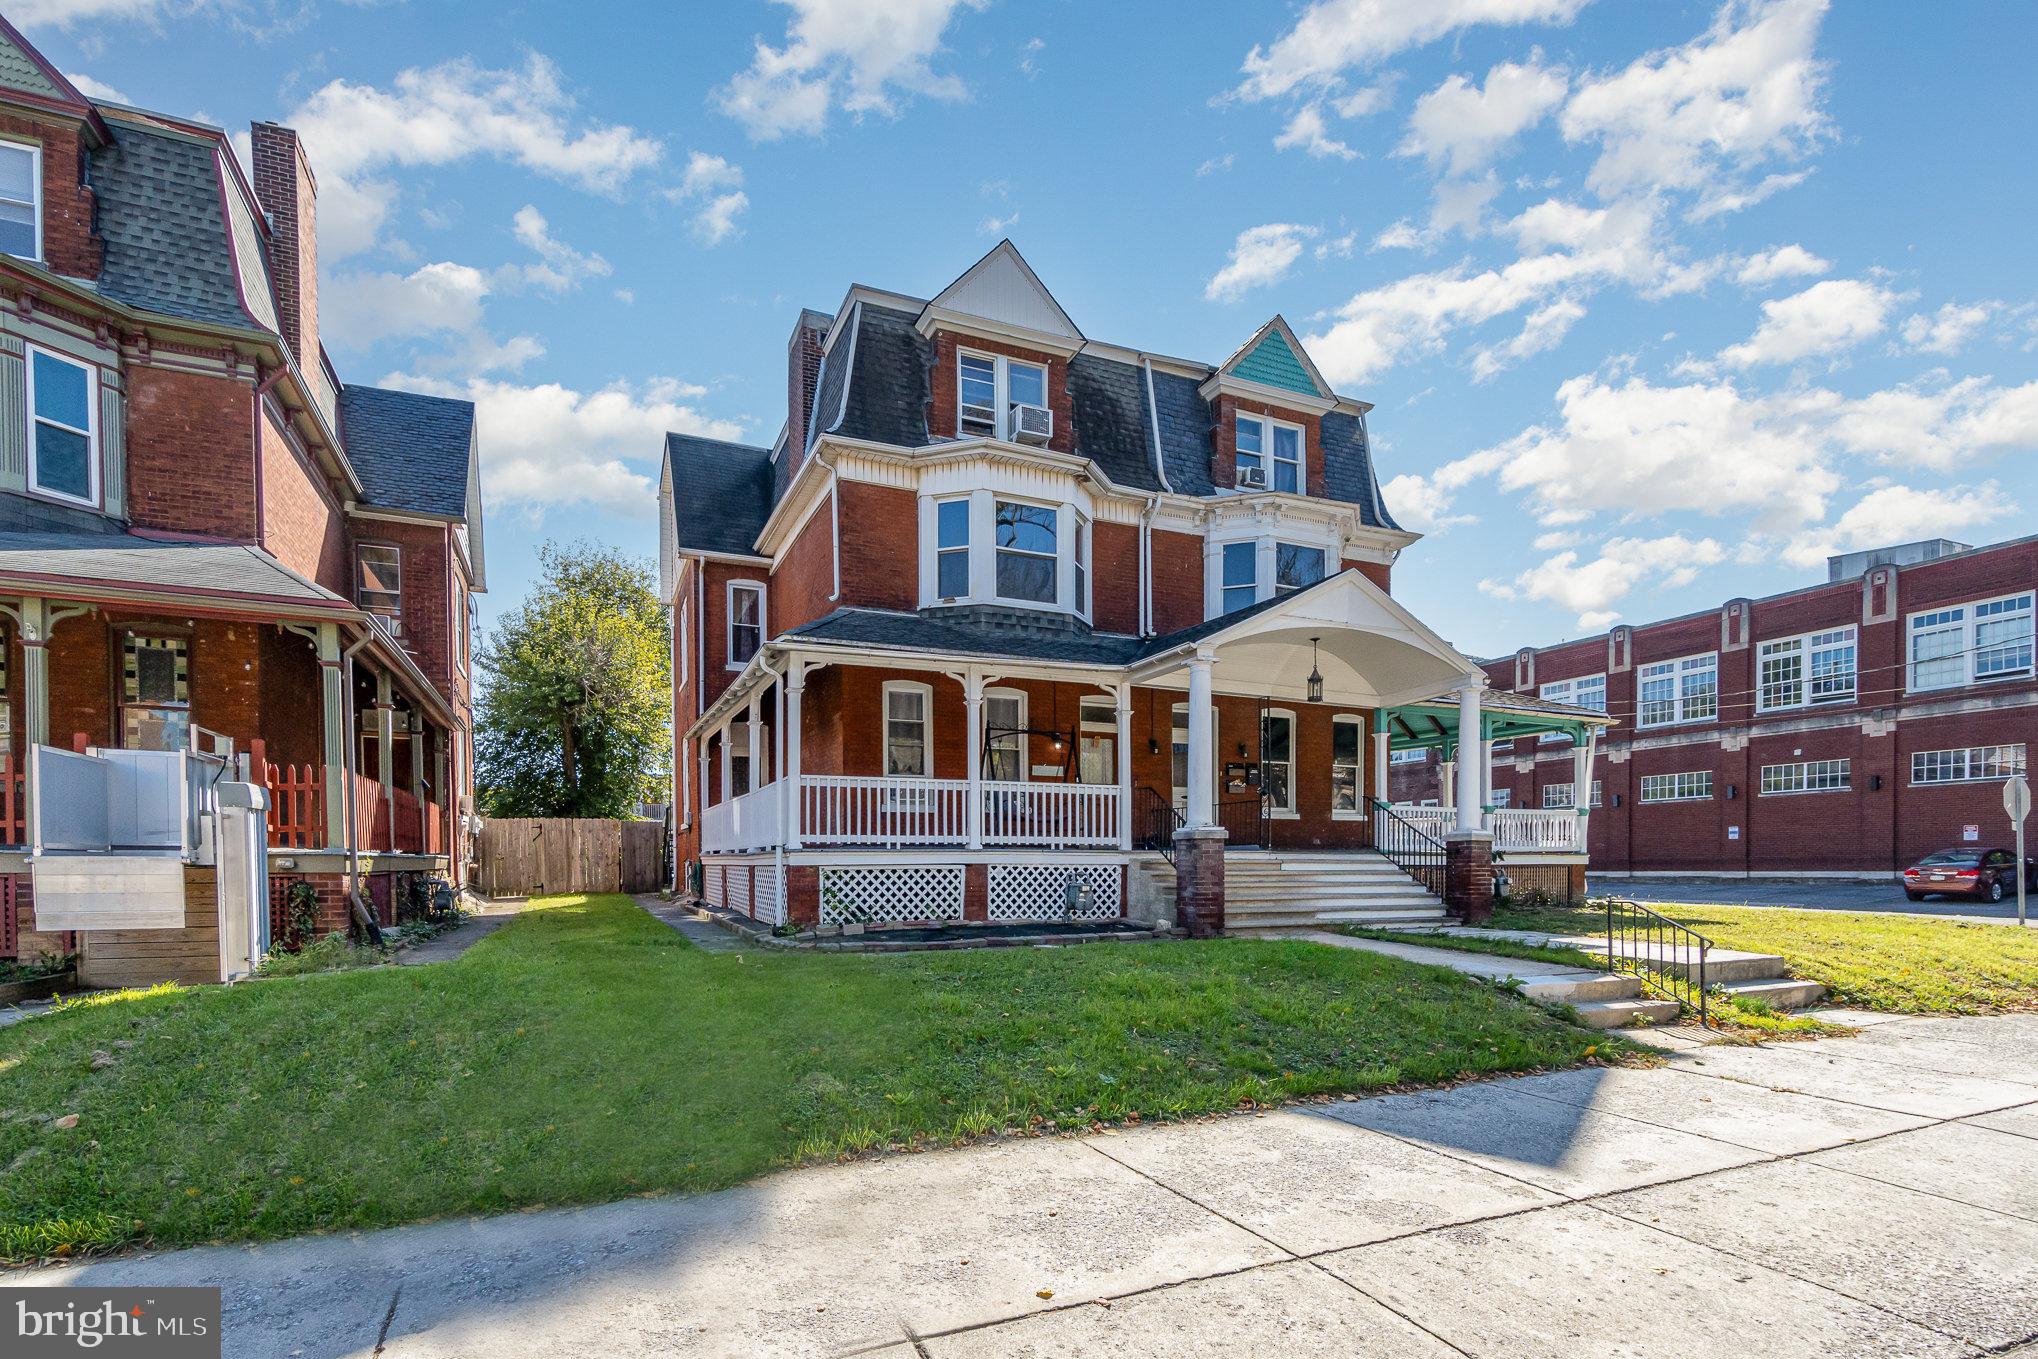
x,y
426,553
942,383
68,244
191,453
1199,880
1468,876
302,524
285,188
1114,577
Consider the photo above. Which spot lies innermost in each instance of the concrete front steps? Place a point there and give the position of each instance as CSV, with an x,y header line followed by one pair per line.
x,y
1277,892
1601,1000
1751,976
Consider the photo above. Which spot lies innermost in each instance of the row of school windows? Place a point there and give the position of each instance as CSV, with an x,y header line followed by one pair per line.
x,y
1969,764
1974,643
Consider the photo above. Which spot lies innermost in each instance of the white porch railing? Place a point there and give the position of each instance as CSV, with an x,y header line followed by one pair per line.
x,y
1518,830
745,823
843,809
1057,814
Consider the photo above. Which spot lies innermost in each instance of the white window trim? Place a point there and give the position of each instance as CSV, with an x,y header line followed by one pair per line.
x,y
1569,800
1274,585
1803,768
936,551
884,717
1081,559
1001,391
34,150
361,591
1679,700
1967,646
1803,644
1566,691
1025,738
1062,582
1268,424
2023,757
1358,766
1291,811
1266,543
1641,785
729,622
92,467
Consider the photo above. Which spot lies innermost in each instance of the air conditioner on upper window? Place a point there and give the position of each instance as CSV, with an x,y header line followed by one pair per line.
x,y
980,417
388,622
1031,424
1252,478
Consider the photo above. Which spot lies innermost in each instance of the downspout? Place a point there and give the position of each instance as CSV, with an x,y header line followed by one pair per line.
x,y
1148,626
1153,417
835,528
362,915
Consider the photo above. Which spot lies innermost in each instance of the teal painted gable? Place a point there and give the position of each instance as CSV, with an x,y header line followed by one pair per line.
x,y
1272,362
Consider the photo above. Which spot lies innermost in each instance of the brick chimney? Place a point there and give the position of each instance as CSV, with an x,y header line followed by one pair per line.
x,y
287,192
802,374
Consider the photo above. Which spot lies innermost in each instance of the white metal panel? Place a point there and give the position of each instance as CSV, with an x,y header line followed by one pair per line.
x,y
71,799
108,891
146,802
243,879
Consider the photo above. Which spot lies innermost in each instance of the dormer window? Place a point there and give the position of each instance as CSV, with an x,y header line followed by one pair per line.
x,y
1001,398
1269,454
21,200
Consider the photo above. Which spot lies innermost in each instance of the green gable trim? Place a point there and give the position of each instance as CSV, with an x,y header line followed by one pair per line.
x,y
18,71
1273,363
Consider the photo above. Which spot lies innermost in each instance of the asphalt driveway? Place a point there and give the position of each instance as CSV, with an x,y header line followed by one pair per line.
x,y
1818,894
1869,1196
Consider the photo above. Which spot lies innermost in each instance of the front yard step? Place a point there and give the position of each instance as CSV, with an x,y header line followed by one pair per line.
x,y
1782,993
1619,1014
1570,990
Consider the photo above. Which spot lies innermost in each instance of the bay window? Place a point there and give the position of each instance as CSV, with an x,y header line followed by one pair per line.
x,y
1685,690
63,431
1347,779
1027,552
1081,558
908,728
1801,672
1971,643
951,552
1241,575
1296,567
21,200
746,621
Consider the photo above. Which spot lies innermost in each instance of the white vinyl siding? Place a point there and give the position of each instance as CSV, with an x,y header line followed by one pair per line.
x,y
1694,786
1808,776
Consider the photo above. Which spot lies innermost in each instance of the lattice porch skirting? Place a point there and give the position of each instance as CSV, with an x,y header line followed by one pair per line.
x,y
1040,891
891,895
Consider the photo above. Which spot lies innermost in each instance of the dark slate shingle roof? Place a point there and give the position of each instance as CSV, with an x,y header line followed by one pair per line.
x,y
166,237
410,450
888,380
127,559
1185,422
883,627
1111,425
721,493
1348,468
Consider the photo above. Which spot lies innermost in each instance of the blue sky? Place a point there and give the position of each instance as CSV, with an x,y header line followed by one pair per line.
x,y
1657,302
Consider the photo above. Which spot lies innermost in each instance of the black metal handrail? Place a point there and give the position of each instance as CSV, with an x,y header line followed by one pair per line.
x,y
1669,958
1245,822
1409,848
1157,819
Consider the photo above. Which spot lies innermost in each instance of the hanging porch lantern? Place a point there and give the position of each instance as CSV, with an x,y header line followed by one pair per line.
x,y
1315,675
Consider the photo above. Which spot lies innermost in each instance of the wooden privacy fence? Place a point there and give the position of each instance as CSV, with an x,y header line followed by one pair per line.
x,y
547,856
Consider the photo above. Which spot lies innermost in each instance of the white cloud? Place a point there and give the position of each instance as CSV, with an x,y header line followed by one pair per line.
x,y
1215,165
64,13
1261,255
1463,126
1823,319
1420,505
362,309
1556,539
714,187
551,446
1544,329
1946,330
1367,99
1899,514
1590,589
1702,115
861,57
1308,130
442,114
1917,426
1333,35
998,226
1338,247
1719,200
1786,261
1029,65
560,266
95,89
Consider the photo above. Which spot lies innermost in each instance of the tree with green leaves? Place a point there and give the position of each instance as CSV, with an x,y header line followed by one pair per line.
x,y
575,698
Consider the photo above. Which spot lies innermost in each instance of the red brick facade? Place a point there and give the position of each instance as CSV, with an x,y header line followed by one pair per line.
x,y
944,379
191,453
68,245
1224,441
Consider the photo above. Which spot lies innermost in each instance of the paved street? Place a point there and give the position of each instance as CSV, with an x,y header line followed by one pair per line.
x,y
1803,893
1869,1196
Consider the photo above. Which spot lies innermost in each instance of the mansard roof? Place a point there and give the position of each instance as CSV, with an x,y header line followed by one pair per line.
x,y
721,493
162,214
410,450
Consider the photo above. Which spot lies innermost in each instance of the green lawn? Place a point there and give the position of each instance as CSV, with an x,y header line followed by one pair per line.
x,y
1877,962
586,1052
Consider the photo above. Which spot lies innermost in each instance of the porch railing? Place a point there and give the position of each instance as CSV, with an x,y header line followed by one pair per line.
x,y
1158,820
747,822
1410,845
1669,958
844,809
1058,814
1521,830
296,804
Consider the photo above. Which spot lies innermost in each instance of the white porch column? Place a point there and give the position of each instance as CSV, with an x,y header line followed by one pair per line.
x,y
973,729
333,713
35,671
753,721
1381,790
1125,764
385,747
1201,771
1581,783
1468,763
795,686
722,741
1447,782
1486,772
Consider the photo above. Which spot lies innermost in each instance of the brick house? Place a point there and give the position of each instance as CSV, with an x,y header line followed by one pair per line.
x,y
1844,729
206,539
1006,611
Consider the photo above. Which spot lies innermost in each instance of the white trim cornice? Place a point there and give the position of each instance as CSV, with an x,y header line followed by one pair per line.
x,y
935,318
1244,389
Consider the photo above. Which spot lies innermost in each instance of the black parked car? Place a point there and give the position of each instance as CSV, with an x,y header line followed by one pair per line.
x,y
1989,874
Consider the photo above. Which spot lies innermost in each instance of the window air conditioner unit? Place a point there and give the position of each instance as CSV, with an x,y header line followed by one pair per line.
x,y
390,623
1252,478
982,417
1031,424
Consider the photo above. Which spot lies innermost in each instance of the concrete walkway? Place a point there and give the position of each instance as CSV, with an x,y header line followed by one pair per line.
x,y
1872,1196
478,926
704,935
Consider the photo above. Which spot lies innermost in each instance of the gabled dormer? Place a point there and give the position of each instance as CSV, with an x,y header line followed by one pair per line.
x,y
1001,350
1267,404
46,129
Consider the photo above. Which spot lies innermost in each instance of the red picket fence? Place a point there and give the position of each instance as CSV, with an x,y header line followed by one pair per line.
x,y
296,800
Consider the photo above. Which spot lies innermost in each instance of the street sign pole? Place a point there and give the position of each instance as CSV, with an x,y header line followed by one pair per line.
x,y
2017,802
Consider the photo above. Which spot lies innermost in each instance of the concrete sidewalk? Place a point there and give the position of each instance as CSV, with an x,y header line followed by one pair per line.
x,y
1871,1196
